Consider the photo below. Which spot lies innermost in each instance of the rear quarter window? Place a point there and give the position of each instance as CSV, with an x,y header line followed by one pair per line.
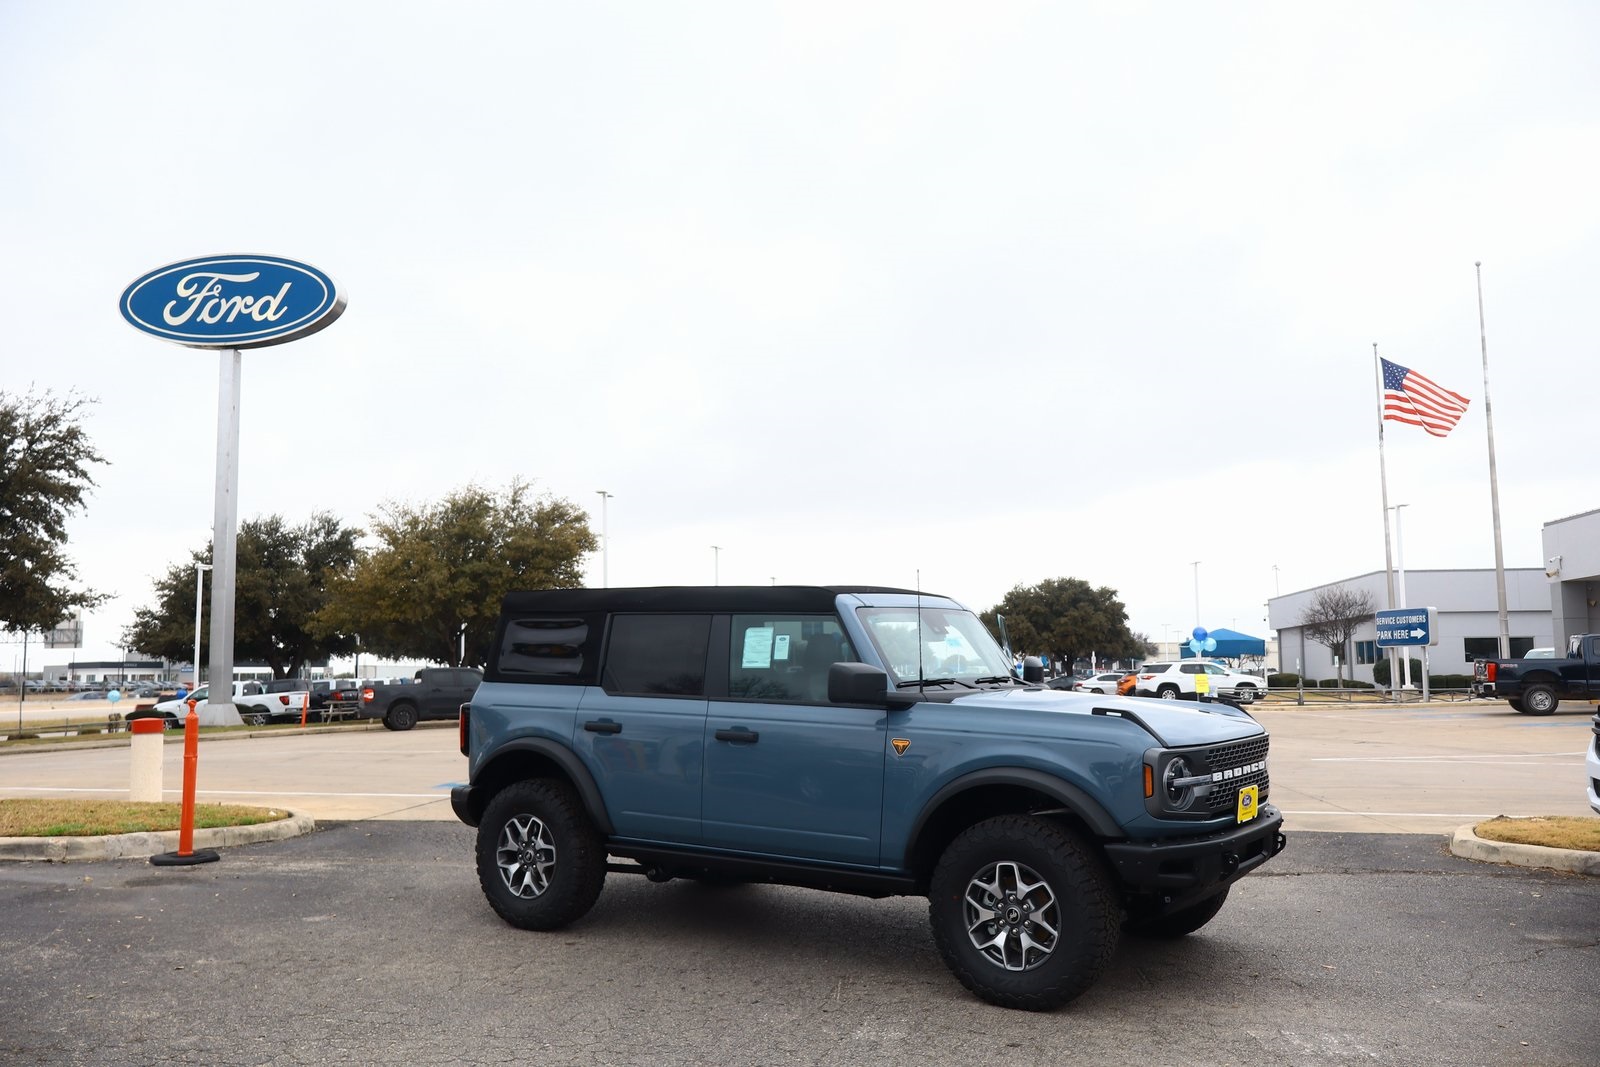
x,y
560,649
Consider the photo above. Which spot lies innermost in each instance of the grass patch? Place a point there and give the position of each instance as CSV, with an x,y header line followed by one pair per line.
x,y
93,818
1581,832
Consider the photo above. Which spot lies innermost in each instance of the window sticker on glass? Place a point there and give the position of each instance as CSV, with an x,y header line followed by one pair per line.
x,y
757,648
780,647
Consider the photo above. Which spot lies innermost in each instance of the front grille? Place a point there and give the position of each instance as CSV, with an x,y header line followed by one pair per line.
x,y
1248,762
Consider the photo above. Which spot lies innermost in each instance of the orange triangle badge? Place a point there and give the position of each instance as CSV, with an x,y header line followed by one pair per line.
x,y
900,745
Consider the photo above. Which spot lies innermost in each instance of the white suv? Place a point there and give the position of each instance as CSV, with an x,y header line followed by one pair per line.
x,y
1593,763
1170,681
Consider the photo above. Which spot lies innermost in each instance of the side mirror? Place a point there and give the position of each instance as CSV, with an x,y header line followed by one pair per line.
x,y
1033,670
862,683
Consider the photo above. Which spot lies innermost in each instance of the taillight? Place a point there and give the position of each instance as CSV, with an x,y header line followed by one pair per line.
x,y
1489,670
465,717
366,695
283,699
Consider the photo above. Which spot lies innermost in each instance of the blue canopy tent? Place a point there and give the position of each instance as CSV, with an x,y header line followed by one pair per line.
x,y
1231,644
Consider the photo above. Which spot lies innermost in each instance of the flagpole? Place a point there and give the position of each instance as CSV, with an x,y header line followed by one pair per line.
x,y
1383,481
1494,479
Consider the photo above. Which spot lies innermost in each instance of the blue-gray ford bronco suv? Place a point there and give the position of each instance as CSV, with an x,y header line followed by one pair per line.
x,y
855,739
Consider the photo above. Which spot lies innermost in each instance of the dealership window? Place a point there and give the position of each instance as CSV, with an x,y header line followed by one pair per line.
x,y
1489,647
1366,651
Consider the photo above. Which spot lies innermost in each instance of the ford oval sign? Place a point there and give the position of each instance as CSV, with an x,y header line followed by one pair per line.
x,y
233,301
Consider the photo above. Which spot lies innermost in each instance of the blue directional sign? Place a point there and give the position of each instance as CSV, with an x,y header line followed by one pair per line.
x,y
1405,626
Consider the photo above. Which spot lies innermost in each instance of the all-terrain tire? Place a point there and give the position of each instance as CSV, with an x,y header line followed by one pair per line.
x,y
1539,699
1182,922
401,717
1023,912
541,862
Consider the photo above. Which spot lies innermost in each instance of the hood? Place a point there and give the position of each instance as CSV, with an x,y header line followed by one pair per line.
x,y
1173,723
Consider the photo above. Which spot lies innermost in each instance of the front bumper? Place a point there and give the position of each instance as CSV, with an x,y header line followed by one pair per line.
x,y
1198,866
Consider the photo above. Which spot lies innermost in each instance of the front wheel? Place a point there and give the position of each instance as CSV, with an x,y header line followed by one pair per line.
x,y
1023,912
1182,922
401,717
540,861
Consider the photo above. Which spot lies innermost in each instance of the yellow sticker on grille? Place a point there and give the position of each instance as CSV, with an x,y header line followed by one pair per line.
x,y
1248,797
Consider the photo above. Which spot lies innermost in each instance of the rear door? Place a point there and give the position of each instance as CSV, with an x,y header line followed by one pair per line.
x,y
787,773
641,731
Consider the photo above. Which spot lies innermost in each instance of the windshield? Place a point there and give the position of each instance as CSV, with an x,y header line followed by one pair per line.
x,y
952,642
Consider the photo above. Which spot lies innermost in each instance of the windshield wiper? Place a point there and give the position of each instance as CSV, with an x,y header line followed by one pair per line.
x,y
996,678
930,681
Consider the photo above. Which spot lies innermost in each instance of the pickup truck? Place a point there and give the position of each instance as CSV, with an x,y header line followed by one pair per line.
x,y
257,705
435,693
1537,685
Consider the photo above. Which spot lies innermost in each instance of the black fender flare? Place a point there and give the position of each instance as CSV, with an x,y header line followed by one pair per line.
x,y
571,766
1071,797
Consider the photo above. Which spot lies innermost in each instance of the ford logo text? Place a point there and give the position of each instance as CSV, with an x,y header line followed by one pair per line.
x,y
244,301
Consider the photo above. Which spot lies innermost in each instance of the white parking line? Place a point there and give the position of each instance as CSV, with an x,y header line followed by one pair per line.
x,y
1507,759
217,792
1397,814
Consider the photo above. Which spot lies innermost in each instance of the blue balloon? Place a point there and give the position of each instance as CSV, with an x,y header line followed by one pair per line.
x,y
1199,633
1195,647
1211,644
114,696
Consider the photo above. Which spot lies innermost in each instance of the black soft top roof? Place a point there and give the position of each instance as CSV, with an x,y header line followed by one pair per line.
x,y
745,598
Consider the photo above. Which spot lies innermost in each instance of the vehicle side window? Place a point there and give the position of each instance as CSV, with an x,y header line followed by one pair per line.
x,y
657,655
1212,668
1190,668
784,658
553,649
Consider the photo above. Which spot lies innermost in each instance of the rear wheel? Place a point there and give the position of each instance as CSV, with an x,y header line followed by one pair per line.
x,y
540,861
401,717
1182,922
1168,692
1023,912
1539,699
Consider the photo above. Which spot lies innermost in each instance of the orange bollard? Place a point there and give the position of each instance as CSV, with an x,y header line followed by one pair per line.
x,y
186,856
305,707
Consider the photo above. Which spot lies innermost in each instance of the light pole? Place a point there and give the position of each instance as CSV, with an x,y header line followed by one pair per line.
x,y
199,584
716,564
1400,587
355,671
605,542
1196,566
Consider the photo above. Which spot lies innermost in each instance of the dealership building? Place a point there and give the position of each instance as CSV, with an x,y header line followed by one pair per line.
x,y
1545,606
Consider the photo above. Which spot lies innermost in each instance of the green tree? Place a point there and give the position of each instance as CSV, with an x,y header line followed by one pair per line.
x,y
45,457
281,580
442,569
1069,619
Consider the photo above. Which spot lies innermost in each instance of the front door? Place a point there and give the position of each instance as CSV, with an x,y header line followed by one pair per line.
x,y
787,773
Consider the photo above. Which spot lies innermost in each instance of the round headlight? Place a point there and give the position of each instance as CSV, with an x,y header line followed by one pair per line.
x,y
1179,796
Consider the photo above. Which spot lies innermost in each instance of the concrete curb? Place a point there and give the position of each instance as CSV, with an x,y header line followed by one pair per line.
x,y
143,845
1468,845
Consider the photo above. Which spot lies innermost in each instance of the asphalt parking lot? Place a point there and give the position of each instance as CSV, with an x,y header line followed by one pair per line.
x,y
370,942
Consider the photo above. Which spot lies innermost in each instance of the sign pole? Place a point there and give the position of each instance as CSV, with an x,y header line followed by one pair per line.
x,y
219,710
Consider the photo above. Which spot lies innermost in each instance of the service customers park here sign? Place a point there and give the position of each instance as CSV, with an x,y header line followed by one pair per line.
x,y
241,301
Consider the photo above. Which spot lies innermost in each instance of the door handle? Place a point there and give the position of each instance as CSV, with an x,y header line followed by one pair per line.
x,y
749,736
603,727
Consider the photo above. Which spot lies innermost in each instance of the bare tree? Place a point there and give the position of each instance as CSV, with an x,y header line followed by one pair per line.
x,y
1332,618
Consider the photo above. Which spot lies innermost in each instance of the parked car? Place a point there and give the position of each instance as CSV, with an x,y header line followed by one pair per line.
x,y
87,694
1592,762
1176,680
1105,682
436,693
1535,685
794,735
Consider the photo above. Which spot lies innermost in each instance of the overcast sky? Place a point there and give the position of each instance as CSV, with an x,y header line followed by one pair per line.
x,y
994,292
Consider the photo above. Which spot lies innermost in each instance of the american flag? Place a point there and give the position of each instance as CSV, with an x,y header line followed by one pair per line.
x,y
1410,397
